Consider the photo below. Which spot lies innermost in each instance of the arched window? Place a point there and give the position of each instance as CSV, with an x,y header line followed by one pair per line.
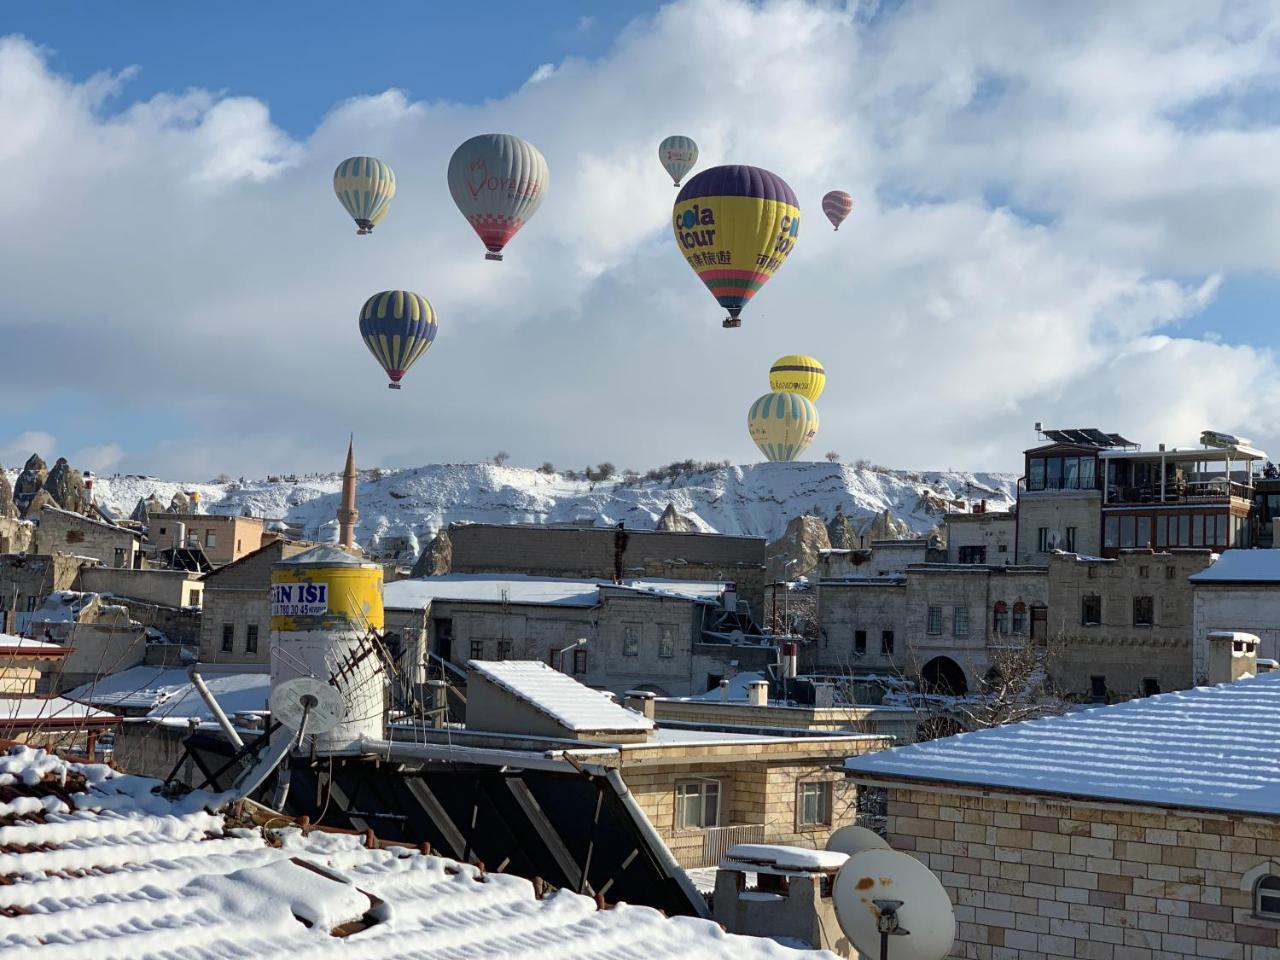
x,y
1266,897
1000,618
1019,617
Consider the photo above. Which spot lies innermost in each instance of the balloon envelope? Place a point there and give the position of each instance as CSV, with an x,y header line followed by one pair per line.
x,y
677,155
782,425
836,205
398,327
365,186
796,373
498,182
736,226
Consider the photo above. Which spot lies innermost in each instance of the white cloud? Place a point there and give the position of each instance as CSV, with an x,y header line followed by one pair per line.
x,y
17,451
1041,194
101,459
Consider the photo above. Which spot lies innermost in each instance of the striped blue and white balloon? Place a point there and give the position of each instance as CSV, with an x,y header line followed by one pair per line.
x,y
365,186
782,425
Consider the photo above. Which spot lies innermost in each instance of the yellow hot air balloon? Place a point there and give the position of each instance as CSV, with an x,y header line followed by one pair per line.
x,y
782,425
796,373
365,186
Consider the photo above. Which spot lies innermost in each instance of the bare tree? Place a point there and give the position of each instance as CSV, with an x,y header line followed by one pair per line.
x,y
547,467
832,456
500,458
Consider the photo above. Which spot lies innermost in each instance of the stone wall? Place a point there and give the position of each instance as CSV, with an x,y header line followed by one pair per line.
x,y
71,533
871,606
15,535
1058,510
1246,607
1126,655
223,539
994,532
26,580
172,588
1040,879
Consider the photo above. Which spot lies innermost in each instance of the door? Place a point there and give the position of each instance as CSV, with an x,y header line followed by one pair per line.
x,y
1039,622
444,639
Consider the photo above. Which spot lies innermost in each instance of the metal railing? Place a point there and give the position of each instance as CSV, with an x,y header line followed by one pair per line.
x,y
706,848
1182,491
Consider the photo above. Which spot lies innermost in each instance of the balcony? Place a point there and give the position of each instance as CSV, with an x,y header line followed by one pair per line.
x,y
1059,484
706,848
1211,490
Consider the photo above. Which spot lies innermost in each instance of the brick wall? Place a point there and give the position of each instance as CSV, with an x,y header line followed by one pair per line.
x,y
1035,879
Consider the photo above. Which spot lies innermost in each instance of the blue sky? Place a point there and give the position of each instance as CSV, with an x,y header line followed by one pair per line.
x,y
302,58
1062,213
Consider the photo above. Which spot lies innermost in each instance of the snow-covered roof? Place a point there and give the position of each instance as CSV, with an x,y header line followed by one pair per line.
x,y
49,711
1203,749
27,647
137,688
568,702
233,692
519,588
778,855
107,868
1242,566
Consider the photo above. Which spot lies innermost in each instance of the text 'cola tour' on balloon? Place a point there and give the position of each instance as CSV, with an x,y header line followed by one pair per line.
x,y
678,156
782,425
498,182
797,373
736,225
365,186
398,327
836,204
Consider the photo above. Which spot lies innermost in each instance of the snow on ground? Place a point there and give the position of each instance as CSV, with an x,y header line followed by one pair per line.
x,y
93,864
754,500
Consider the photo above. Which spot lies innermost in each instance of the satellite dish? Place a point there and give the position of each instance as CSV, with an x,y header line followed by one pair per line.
x,y
874,883
306,696
853,840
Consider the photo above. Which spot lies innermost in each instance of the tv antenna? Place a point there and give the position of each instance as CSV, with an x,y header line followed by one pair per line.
x,y
882,896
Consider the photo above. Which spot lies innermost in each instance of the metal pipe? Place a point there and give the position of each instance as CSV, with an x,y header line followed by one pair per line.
x,y
197,681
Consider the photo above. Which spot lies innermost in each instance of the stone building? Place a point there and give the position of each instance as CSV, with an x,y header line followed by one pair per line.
x,y
171,588
26,580
101,635
235,624
601,553
1122,627
1145,830
15,535
934,621
1060,495
1239,591
222,539
879,557
61,531
657,635
983,536
24,662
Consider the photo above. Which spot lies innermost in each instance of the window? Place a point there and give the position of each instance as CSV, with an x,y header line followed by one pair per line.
x,y
580,660
210,539
1098,688
1150,686
1019,617
1128,532
1170,573
162,531
1144,532
1042,540
666,642
934,626
251,638
813,805
228,637
1093,571
1143,611
886,642
1070,540
631,641
194,600
1162,531
1197,530
1035,473
238,546
1184,530
972,555
1111,532
1090,610
33,601
960,621
1144,572
504,650
1002,548
697,805
119,557
1266,897
1000,618
859,641
477,649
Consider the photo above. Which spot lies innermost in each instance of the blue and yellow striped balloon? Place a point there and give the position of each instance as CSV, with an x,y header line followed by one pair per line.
x,y
365,186
782,425
398,327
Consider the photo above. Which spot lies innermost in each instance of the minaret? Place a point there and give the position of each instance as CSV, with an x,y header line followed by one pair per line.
x,y
347,513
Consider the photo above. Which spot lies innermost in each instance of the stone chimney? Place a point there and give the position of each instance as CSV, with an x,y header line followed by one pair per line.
x,y
1232,655
347,513
641,701
758,693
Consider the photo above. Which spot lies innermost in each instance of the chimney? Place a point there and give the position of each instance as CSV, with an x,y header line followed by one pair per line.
x,y
1232,655
758,693
641,701
179,534
731,597
724,691
1267,666
439,691
789,651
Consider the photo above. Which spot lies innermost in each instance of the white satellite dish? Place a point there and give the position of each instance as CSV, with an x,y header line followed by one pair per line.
x,y
890,905
319,703
852,839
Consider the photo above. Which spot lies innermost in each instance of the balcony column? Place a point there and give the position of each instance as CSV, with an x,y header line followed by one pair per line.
x,y
1162,474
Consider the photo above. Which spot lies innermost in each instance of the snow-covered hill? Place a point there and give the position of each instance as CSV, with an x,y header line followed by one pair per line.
x,y
757,499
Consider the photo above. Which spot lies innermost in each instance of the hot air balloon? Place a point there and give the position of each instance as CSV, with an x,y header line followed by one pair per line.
x,y
677,155
398,326
782,425
796,373
498,182
365,186
836,205
736,226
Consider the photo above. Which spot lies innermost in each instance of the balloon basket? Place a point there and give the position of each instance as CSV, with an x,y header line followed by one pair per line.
x,y
393,386
365,227
731,322
493,256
